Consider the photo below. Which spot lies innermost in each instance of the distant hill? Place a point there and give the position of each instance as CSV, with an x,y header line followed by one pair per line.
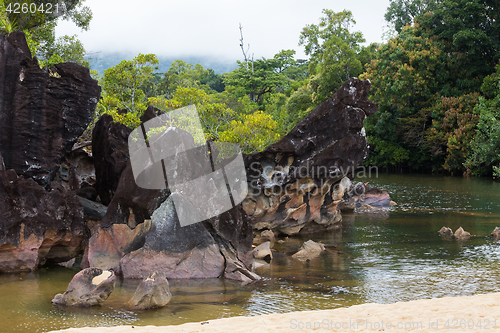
x,y
100,61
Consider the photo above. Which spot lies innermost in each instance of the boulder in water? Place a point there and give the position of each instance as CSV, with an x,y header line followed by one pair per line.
x,y
152,292
496,233
460,233
446,232
89,287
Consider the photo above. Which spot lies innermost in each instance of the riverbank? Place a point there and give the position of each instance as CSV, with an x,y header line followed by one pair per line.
x,y
480,313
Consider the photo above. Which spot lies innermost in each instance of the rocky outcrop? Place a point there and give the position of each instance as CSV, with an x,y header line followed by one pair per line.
x,y
42,113
298,183
200,250
89,287
366,198
37,225
110,152
153,292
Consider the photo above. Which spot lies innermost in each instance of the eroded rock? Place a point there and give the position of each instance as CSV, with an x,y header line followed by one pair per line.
x,y
89,287
264,236
298,183
152,292
37,225
42,112
110,151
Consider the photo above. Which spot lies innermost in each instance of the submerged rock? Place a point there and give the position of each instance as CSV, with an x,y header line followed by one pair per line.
x,y
298,183
89,287
366,199
446,232
152,292
309,250
496,233
460,233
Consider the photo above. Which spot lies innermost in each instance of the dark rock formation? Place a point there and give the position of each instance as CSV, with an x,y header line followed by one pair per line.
x,y
151,293
37,225
42,113
132,204
89,287
298,182
110,152
77,173
296,185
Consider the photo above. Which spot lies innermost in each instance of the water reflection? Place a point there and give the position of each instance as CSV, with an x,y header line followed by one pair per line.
x,y
373,258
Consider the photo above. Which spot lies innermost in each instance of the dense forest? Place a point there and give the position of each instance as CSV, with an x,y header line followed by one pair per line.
x,y
437,80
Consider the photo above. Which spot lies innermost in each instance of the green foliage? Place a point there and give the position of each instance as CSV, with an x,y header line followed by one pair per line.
x,y
298,106
252,132
263,77
38,19
122,84
426,81
65,49
453,128
34,13
402,12
484,157
334,50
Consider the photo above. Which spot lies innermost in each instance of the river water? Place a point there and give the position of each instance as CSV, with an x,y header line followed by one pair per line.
x,y
384,258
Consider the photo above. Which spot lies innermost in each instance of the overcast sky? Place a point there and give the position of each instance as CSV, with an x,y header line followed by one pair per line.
x,y
210,27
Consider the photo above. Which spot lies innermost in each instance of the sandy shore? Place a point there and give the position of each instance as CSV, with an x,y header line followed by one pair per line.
x,y
479,313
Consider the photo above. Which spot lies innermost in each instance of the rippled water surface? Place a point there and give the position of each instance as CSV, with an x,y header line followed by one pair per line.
x,y
384,258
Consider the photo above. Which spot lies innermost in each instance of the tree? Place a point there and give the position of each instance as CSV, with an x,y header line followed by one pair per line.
x,y
122,83
253,132
334,52
406,79
484,156
453,129
263,78
403,12
38,19
214,116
